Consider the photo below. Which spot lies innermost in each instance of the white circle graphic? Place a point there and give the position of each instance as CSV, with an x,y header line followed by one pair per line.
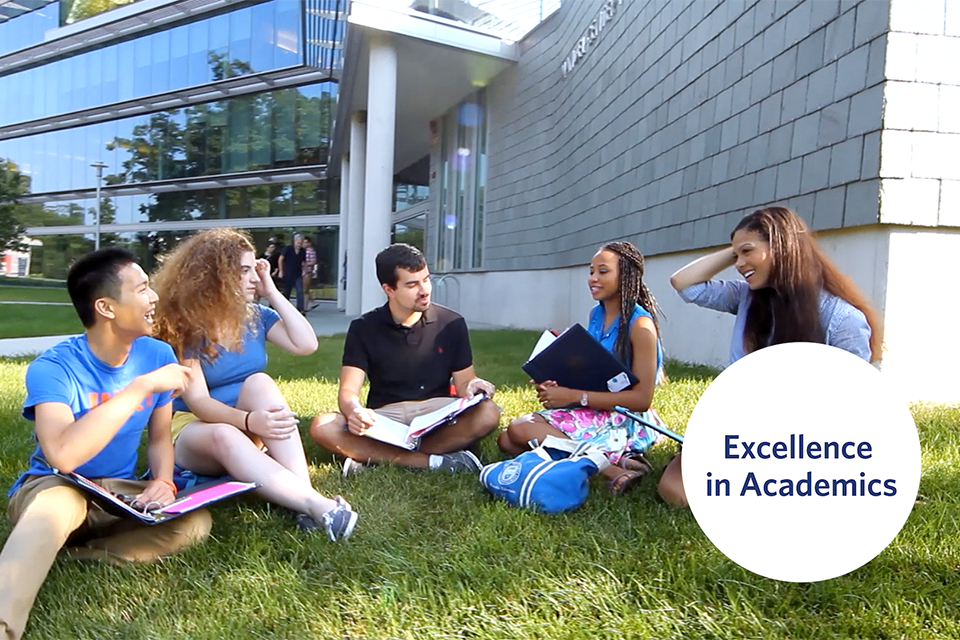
x,y
800,462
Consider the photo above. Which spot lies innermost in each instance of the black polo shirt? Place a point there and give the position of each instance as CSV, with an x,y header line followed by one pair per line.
x,y
408,363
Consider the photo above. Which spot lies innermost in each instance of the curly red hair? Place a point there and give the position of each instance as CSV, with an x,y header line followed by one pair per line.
x,y
202,302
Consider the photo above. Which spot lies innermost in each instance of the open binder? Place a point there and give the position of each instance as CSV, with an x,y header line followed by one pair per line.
x,y
408,436
120,505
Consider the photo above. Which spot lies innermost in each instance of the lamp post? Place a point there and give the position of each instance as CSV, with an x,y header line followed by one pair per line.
x,y
99,166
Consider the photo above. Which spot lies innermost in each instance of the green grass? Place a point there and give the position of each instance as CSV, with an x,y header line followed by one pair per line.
x,y
34,294
434,557
27,320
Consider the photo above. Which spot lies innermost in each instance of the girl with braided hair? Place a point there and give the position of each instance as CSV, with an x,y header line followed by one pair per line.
x,y
790,292
625,322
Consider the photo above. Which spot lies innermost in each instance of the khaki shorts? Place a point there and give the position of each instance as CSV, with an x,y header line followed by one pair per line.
x,y
180,420
407,410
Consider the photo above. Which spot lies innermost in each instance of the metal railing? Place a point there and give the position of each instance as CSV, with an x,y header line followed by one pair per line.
x,y
441,291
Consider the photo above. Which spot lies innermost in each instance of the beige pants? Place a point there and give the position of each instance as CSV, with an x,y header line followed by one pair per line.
x,y
407,410
49,513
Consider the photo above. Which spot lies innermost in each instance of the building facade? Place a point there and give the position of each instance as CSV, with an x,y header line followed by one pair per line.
x,y
662,123
202,113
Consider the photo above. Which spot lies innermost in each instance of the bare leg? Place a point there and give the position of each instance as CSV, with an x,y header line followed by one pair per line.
x,y
514,439
212,449
671,484
328,430
469,428
259,391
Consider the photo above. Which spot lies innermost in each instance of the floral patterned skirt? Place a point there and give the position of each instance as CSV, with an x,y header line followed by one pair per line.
x,y
611,432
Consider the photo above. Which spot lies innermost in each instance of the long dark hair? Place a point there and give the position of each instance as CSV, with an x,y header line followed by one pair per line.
x,y
632,291
787,309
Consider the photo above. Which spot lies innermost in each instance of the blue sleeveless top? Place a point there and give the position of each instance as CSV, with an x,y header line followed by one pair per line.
x,y
608,338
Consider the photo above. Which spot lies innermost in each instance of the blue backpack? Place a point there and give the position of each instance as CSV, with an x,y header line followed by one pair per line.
x,y
551,478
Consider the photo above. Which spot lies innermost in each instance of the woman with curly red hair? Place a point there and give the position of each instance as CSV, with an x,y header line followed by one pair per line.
x,y
233,419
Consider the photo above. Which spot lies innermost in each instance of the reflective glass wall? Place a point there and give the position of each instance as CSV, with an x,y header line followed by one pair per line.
x,y
256,201
271,130
55,253
27,29
325,28
253,39
463,182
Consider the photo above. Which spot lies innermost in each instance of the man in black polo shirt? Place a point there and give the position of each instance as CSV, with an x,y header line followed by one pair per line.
x,y
409,349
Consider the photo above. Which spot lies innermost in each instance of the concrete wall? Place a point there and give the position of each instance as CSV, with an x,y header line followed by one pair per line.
x,y
921,133
556,298
681,117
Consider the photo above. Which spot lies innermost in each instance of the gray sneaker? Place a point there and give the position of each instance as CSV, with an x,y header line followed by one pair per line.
x,y
340,521
456,461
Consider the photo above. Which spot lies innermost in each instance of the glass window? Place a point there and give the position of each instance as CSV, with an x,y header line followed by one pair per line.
x,y
462,186
262,43
199,71
259,38
218,55
277,129
240,32
287,35
160,49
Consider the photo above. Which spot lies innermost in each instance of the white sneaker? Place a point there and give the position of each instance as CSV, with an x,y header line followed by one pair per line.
x,y
351,467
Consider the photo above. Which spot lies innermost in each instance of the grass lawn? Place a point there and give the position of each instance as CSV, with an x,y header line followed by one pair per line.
x,y
34,294
27,320
434,557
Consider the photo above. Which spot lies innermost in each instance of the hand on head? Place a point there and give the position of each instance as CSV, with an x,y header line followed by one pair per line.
x,y
266,284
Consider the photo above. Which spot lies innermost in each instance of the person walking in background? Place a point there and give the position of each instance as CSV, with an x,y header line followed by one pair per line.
x,y
290,267
234,419
790,292
309,267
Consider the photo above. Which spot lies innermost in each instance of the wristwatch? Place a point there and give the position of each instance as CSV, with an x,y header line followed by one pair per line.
x,y
583,399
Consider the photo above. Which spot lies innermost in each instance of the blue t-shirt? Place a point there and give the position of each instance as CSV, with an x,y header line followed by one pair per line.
x,y
70,373
608,338
225,375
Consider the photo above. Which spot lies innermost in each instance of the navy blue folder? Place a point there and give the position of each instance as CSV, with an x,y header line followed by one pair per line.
x,y
577,360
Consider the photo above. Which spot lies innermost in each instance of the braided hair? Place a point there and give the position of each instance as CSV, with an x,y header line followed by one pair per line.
x,y
632,291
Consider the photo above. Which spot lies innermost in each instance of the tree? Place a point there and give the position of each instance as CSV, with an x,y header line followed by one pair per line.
x,y
13,185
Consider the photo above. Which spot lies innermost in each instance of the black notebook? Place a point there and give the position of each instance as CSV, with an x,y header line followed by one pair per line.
x,y
577,360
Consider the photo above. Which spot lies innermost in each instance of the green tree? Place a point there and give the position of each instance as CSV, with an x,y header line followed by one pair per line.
x,y
13,185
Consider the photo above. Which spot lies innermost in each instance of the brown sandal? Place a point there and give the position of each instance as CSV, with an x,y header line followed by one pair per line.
x,y
625,481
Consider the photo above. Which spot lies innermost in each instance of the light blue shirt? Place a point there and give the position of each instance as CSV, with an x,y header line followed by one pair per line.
x,y
225,375
70,373
608,338
844,325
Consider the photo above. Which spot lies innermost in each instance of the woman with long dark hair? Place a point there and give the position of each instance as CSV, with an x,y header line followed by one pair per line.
x,y
625,322
790,292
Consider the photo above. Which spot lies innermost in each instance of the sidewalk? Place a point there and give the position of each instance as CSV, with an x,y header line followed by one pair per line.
x,y
325,319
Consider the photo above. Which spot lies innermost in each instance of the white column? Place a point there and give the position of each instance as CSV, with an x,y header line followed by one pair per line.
x,y
358,146
344,228
378,195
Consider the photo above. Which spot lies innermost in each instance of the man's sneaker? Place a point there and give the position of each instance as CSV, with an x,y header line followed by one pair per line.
x,y
351,467
456,461
340,521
